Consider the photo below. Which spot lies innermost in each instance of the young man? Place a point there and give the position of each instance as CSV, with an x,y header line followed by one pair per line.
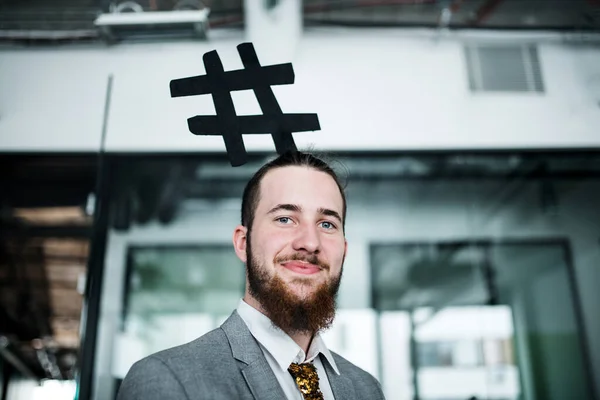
x,y
293,244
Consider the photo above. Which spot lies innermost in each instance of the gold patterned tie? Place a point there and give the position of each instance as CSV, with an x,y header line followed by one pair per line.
x,y
307,380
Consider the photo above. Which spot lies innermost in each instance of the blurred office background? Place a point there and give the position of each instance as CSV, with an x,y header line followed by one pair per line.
x,y
469,133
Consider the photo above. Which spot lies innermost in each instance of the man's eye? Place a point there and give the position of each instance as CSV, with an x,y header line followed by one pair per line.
x,y
284,220
327,225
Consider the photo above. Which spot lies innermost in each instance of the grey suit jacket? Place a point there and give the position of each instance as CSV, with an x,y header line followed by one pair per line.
x,y
227,363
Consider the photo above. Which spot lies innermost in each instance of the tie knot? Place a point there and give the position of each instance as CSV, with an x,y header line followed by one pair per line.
x,y
307,380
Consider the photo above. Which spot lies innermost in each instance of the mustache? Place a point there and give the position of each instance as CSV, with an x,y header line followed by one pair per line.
x,y
309,258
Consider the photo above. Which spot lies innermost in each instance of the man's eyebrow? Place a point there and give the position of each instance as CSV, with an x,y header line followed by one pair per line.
x,y
330,213
286,207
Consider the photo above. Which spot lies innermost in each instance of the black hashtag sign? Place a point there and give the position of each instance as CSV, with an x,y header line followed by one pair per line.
x,y
227,123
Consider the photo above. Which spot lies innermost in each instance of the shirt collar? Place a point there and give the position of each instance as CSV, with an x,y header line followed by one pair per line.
x,y
282,347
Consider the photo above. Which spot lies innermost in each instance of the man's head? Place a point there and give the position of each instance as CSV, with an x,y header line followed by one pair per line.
x,y
292,241
251,195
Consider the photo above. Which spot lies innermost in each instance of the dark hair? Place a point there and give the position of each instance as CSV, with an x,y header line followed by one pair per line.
x,y
251,195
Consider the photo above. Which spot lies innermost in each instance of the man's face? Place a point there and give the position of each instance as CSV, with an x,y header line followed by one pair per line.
x,y
296,247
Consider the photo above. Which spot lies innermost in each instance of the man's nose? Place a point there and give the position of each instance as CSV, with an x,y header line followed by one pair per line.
x,y
307,239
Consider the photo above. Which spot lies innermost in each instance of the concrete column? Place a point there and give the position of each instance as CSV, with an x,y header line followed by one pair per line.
x,y
275,28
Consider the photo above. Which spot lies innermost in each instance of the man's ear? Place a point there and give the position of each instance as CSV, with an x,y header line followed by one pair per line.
x,y
240,235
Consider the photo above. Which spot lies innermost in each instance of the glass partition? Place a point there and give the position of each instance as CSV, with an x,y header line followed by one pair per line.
x,y
482,319
468,276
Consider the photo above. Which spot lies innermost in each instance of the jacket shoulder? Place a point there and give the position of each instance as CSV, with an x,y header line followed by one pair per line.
x,y
212,343
346,367
177,372
366,385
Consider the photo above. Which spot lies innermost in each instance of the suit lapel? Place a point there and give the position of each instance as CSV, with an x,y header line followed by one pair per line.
x,y
341,385
262,382
258,374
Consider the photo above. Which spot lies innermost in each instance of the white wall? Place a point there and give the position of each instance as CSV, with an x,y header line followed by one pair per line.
x,y
372,89
51,99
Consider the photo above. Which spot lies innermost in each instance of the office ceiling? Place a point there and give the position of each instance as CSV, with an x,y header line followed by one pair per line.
x,y
74,18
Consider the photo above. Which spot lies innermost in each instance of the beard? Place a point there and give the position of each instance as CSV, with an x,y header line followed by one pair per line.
x,y
287,311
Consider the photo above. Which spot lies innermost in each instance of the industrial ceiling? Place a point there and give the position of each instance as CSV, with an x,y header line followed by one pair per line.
x,y
73,20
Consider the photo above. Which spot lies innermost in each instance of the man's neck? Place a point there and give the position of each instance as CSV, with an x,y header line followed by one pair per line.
x,y
302,339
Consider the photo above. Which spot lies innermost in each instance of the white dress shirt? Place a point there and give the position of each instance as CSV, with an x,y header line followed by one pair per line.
x,y
280,350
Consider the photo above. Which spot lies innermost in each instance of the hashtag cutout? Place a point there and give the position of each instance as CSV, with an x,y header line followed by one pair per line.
x,y
227,123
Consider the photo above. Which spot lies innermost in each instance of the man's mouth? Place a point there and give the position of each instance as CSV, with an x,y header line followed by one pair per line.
x,y
301,267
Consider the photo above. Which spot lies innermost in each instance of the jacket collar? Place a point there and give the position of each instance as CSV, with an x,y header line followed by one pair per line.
x,y
258,374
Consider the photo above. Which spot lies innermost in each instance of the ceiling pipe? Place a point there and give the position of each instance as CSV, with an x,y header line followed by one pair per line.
x,y
486,10
340,5
313,8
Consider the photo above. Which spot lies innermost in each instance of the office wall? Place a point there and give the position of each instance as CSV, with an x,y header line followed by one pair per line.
x,y
372,89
